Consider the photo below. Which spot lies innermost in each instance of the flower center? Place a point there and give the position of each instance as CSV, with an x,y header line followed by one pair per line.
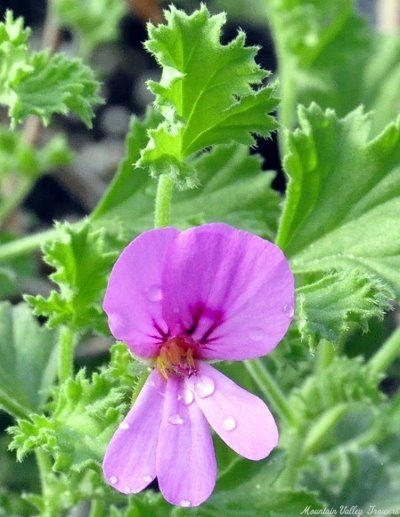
x,y
176,357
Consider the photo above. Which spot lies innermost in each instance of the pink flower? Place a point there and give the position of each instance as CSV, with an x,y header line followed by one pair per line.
x,y
179,299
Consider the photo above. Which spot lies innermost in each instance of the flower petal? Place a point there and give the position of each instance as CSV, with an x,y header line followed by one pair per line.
x,y
133,297
186,465
228,289
240,418
130,461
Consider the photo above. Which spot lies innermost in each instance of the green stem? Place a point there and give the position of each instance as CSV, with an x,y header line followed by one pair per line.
x,y
12,202
45,469
388,352
67,342
272,391
26,244
97,508
162,209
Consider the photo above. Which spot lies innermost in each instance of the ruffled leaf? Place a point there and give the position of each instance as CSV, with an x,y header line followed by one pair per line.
x,y
39,83
326,226
208,92
329,306
86,413
82,266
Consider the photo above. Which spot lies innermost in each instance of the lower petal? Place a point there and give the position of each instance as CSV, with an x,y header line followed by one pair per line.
x,y
186,464
130,461
240,418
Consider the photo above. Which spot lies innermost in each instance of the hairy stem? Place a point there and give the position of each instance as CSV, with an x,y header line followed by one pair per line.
x,y
272,391
67,341
163,201
388,352
44,467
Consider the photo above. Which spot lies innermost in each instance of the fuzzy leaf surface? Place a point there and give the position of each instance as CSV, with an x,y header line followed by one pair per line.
x,y
39,83
343,197
82,266
207,92
328,306
28,360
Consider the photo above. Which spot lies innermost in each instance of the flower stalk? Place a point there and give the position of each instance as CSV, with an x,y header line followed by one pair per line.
x,y
270,389
162,210
388,352
67,341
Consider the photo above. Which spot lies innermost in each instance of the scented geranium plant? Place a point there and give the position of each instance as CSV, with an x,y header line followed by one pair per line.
x,y
252,349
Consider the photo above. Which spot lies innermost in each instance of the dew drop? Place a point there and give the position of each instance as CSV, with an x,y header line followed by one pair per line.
x,y
147,479
124,425
127,489
204,386
187,396
113,480
256,334
288,309
185,503
154,293
229,423
175,419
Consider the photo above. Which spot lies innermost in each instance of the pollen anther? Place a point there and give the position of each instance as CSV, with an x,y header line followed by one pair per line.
x,y
176,357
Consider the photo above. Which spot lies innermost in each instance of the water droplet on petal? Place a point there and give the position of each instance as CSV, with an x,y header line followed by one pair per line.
x,y
124,425
288,309
127,489
229,423
256,334
204,386
113,480
175,420
185,503
147,479
187,396
154,293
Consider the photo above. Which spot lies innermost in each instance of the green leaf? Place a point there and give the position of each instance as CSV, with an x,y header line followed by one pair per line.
x,y
343,200
327,307
57,84
233,189
329,55
28,360
207,92
249,488
86,414
97,23
82,266
39,83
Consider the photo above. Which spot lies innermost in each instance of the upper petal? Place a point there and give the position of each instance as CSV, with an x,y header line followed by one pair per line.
x,y
134,292
130,461
229,289
186,464
240,418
